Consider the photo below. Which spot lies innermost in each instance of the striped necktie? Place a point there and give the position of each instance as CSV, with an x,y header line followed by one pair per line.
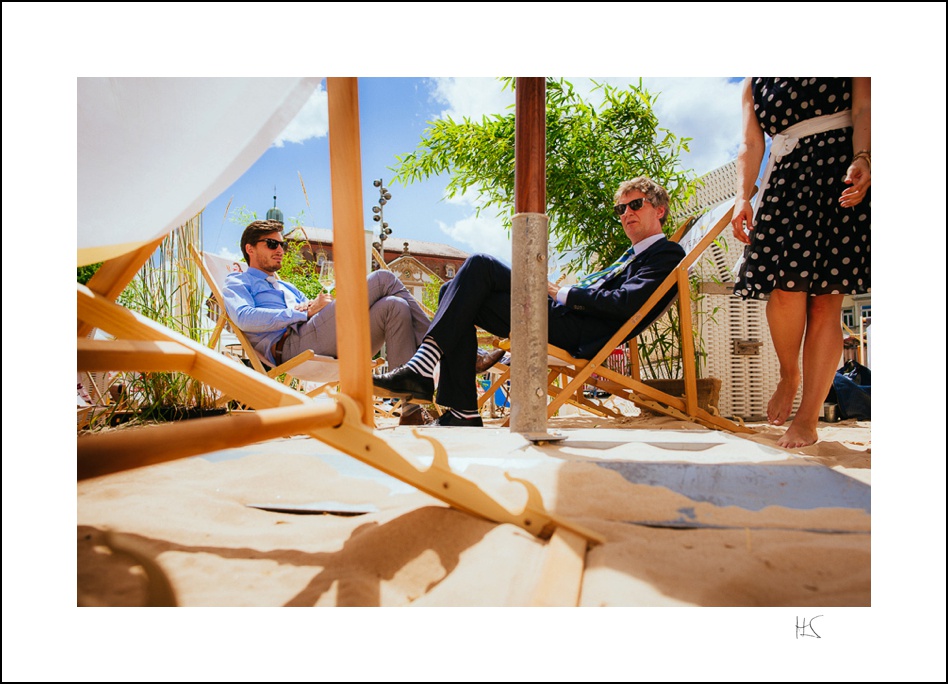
x,y
594,280
287,296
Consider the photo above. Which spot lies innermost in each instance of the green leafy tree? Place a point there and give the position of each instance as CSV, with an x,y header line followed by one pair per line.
x,y
590,150
84,273
429,295
300,271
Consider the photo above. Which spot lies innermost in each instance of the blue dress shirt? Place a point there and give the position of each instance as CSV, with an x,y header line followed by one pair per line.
x,y
259,308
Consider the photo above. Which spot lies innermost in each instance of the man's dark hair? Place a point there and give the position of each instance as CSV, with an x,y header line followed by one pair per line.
x,y
254,231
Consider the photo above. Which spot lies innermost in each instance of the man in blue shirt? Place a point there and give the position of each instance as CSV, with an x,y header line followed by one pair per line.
x,y
281,322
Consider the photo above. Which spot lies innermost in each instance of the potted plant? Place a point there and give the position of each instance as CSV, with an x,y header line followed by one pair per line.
x,y
660,350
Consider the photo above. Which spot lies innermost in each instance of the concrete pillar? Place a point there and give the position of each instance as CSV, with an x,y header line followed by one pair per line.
x,y
528,324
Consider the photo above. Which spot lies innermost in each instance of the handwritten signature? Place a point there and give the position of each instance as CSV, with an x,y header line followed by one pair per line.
x,y
803,625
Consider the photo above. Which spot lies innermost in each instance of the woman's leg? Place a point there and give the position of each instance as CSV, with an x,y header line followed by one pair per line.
x,y
786,315
822,350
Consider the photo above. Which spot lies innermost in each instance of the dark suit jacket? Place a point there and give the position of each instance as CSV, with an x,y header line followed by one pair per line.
x,y
601,312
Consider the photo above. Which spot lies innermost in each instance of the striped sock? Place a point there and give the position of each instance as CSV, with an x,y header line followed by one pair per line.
x,y
464,415
426,358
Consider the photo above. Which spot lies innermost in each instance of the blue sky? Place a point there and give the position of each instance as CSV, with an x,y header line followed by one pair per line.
x,y
394,113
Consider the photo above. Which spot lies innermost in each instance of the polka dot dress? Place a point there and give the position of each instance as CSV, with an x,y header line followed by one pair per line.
x,y
803,240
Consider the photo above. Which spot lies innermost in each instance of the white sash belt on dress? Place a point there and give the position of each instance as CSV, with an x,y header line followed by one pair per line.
x,y
786,141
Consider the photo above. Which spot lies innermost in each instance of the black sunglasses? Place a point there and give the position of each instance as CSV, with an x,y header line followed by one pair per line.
x,y
273,244
634,205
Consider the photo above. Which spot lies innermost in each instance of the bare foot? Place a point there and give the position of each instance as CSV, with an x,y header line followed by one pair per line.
x,y
798,435
781,403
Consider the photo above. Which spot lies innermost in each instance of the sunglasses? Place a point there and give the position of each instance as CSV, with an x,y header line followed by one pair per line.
x,y
634,205
273,244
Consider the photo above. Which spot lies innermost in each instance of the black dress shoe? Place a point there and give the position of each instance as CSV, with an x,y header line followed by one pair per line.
x,y
450,420
486,360
404,383
415,414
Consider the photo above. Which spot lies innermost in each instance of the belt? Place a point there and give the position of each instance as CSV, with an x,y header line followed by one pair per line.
x,y
278,347
786,141
783,144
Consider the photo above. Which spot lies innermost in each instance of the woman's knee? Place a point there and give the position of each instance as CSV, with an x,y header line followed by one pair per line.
x,y
825,306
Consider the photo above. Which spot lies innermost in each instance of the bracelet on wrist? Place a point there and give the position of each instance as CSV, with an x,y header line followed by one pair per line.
x,y
863,154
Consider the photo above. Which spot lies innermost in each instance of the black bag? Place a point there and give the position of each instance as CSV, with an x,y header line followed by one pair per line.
x,y
851,391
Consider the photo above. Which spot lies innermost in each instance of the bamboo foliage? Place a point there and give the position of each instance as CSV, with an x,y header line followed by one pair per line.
x,y
660,343
169,289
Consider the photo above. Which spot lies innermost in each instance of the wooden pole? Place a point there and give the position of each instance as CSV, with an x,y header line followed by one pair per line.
x,y
528,302
530,146
352,312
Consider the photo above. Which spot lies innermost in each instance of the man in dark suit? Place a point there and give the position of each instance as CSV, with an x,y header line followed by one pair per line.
x,y
581,317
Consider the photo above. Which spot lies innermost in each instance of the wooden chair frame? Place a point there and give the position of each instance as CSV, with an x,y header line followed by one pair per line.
x,y
344,422
595,372
322,369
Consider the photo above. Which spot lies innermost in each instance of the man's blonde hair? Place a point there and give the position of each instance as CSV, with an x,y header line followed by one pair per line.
x,y
656,195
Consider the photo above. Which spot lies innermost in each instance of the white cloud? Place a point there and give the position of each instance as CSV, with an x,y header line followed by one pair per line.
x,y
480,235
471,197
311,122
708,110
228,253
471,97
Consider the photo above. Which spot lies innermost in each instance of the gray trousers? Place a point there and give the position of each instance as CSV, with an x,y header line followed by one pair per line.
x,y
395,320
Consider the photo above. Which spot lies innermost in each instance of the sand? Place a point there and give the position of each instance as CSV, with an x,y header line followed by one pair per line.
x,y
643,484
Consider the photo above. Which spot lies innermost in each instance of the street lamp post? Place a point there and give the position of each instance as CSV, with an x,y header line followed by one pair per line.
x,y
379,215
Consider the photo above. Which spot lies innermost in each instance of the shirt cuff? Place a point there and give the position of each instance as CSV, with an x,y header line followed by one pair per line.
x,y
561,294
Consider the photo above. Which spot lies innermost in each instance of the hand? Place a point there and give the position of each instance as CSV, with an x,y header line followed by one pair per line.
x,y
742,220
859,178
314,306
552,289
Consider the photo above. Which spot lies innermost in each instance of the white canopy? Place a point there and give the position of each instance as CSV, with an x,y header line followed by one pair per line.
x,y
153,152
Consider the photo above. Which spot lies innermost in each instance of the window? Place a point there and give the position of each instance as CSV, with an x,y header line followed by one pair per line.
x,y
866,312
449,270
849,318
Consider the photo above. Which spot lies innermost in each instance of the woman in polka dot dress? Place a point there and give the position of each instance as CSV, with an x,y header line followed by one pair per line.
x,y
808,242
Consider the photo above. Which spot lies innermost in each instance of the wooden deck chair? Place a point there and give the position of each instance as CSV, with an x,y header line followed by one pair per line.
x,y
306,365
695,236
93,390
134,138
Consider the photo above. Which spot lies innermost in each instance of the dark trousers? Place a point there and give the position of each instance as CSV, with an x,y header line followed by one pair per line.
x,y
479,296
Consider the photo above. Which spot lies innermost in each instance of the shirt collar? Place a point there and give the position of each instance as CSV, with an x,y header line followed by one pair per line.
x,y
642,245
257,273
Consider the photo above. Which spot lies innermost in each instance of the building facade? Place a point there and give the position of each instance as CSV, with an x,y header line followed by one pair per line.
x,y
417,263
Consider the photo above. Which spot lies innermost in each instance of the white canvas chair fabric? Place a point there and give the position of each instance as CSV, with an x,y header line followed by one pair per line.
x,y
152,152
